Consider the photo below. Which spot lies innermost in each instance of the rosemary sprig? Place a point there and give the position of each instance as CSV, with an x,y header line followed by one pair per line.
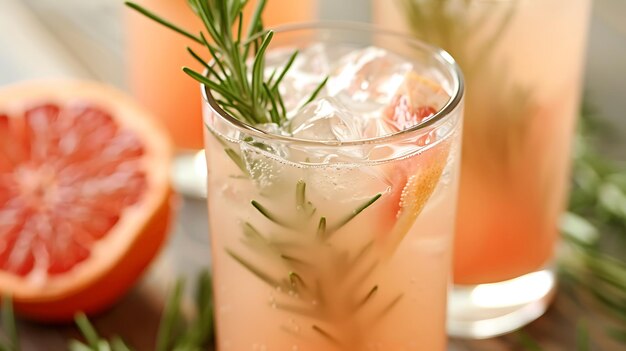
x,y
196,336
594,229
306,279
242,88
93,342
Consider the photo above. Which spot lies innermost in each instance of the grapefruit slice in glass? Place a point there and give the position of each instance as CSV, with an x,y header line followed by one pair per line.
x,y
414,179
84,196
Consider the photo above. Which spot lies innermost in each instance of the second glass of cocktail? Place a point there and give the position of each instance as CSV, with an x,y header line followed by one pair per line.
x,y
523,62
332,229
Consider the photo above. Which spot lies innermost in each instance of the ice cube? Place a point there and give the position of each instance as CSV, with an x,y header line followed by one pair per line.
x,y
326,119
377,127
368,76
272,128
345,184
314,60
308,70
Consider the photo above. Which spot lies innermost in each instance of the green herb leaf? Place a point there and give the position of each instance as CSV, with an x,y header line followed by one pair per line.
x,y
582,337
272,217
87,330
326,335
321,229
8,322
355,213
160,20
171,319
527,342
367,297
316,92
253,269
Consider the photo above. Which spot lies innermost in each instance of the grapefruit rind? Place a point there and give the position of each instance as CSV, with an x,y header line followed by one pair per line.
x,y
59,296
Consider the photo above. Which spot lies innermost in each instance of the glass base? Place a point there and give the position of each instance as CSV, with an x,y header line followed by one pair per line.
x,y
487,310
189,173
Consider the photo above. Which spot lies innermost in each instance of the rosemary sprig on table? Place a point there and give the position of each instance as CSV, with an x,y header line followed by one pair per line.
x,y
93,342
11,340
237,71
595,229
175,333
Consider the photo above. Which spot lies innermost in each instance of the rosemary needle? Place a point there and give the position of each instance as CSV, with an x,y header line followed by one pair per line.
x,y
8,321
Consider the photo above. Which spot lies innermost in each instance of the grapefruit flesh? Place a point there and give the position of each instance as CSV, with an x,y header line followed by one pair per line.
x,y
417,99
84,196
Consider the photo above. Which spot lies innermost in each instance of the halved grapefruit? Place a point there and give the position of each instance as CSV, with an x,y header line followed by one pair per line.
x,y
84,196
414,179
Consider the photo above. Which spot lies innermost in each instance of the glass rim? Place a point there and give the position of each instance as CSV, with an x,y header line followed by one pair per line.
x,y
443,56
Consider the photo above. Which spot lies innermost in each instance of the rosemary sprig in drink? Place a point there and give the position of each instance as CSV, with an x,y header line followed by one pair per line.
x,y
341,288
237,70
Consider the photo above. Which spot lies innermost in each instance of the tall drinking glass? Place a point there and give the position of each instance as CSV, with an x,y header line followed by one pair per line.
x,y
335,245
523,62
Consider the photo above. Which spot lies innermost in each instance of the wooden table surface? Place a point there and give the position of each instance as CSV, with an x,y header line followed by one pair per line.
x,y
83,38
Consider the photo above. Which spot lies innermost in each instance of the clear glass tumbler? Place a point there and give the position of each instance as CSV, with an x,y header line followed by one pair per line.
x,y
523,62
309,250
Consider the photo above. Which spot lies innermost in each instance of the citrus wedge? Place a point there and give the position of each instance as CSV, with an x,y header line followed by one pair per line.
x,y
414,179
84,196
